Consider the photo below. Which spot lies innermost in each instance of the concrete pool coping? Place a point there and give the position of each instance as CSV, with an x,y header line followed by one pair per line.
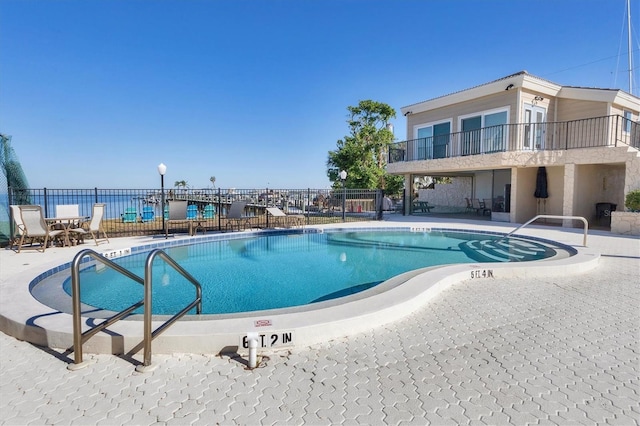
x,y
27,319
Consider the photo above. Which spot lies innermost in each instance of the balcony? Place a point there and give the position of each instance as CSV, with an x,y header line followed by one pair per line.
x,y
613,130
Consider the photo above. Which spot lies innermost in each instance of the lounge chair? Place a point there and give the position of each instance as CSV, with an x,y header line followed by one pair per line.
x,y
285,219
93,226
192,211
130,215
148,215
236,217
35,227
209,212
176,215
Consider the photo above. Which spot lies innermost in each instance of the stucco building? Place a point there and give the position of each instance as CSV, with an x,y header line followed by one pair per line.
x,y
490,142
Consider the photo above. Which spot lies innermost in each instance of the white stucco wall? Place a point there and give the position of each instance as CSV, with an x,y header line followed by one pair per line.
x,y
448,194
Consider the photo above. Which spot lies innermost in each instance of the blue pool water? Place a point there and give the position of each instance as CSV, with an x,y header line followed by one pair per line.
x,y
276,271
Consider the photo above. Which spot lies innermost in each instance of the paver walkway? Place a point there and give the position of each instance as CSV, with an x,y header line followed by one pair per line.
x,y
557,350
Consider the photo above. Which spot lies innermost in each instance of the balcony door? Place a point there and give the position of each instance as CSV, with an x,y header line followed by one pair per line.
x,y
471,135
425,143
441,135
433,141
534,127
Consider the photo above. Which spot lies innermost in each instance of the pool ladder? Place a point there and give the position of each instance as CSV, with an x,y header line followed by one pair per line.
x,y
79,337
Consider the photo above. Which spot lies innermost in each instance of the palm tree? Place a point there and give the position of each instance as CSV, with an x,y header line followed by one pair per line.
x,y
180,184
213,181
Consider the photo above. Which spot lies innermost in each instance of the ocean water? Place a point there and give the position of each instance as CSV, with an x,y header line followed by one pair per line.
x,y
116,202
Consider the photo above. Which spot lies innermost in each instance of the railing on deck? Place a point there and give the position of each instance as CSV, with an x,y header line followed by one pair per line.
x,y
611,130
139,211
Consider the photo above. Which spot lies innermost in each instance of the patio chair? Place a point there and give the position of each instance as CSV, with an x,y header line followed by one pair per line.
x,y
209,212
130,215
477,206
35,227
236,217
148,215
68,210
469,205
480,207
176,214
285,219
18,228
487,205
93,226
192,211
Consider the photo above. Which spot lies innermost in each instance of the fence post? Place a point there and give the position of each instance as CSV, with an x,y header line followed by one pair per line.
x,y
379,203
306,206
220,210
266,205
46,205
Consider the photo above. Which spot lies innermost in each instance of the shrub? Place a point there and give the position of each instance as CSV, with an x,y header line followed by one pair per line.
x,y
632,201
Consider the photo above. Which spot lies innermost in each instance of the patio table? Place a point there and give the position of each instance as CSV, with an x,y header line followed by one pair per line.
x,y
66,223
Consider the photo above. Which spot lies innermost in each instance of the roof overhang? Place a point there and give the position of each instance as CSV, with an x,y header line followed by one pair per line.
x,y
512,82
612,96
528,82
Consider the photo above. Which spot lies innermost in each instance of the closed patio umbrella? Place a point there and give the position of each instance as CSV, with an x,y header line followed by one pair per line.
x,y
542,192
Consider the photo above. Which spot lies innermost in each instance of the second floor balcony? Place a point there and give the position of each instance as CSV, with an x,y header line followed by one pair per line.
x,y
613,130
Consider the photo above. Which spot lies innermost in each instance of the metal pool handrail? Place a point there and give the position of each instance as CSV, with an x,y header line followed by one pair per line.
x,y
549,216
79,337
148,285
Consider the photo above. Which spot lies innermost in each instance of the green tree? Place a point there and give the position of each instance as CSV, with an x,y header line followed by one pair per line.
x,y
363,153
213,181
180,184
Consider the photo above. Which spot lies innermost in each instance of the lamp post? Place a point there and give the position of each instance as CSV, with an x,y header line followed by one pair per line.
x,y
343,177
162,169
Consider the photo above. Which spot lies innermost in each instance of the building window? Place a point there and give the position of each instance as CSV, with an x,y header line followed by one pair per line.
x,y
484,132
628,120
432,140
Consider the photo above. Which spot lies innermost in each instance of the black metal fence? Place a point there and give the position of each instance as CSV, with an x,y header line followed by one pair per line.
x,y
139,211
611,130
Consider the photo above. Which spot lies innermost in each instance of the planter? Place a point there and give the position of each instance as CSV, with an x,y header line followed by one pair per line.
x,y
625,223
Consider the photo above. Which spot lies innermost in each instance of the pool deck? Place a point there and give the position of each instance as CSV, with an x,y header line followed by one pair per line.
x,y
559,349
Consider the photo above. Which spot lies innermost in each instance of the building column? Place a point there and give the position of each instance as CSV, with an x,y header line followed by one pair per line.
x,y
514,192
408,189
569,193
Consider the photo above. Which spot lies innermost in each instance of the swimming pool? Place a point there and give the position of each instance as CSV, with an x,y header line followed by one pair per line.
x,y
274,271
40,311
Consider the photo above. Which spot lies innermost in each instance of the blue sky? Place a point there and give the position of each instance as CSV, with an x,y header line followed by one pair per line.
x,y
98,93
